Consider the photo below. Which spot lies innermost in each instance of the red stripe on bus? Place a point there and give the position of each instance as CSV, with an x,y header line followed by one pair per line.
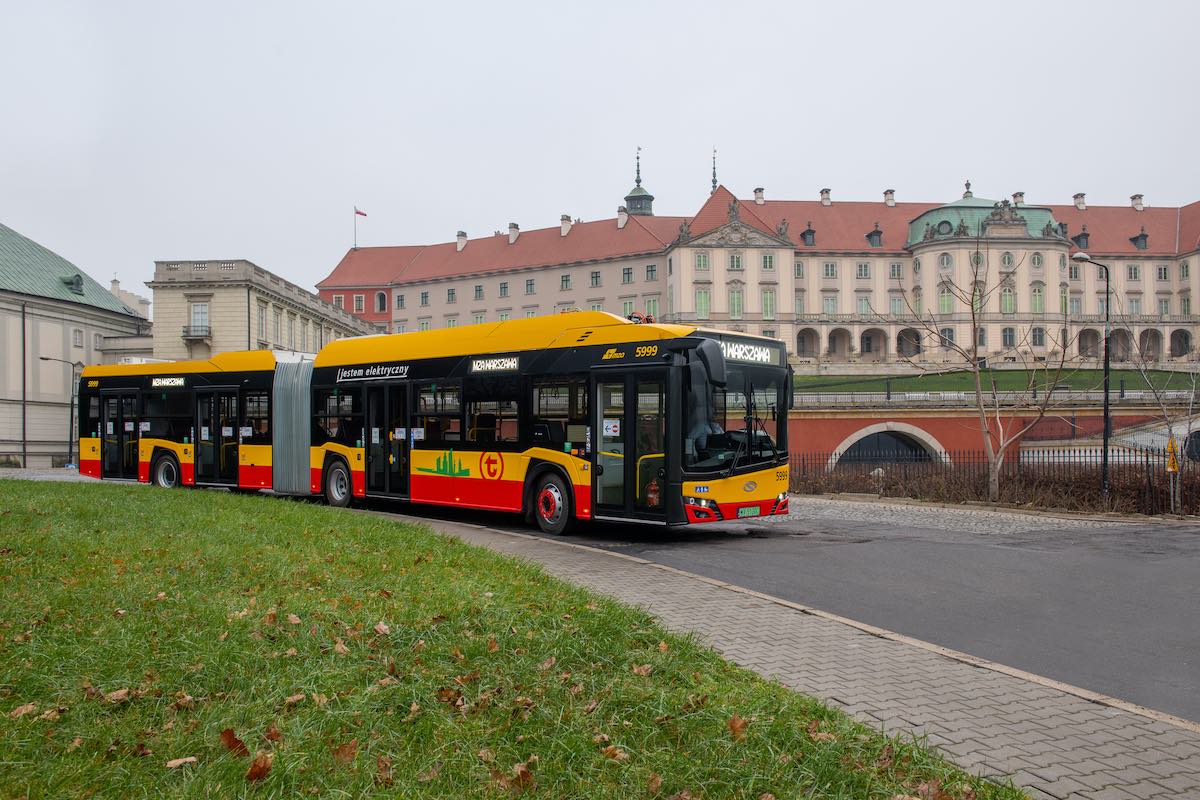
x,y
187,473
89,467
254,477
143,471
494,495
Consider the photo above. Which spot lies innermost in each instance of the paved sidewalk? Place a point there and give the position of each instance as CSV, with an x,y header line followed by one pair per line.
x,y
1055,741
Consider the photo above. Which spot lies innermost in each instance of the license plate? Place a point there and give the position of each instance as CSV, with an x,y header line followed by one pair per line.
x,y
748,511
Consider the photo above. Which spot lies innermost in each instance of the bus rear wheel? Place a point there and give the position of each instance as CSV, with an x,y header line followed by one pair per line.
x,y
165,472
337,485
552,505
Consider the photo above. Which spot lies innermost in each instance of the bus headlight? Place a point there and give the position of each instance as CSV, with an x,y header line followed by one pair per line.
x,y
702,507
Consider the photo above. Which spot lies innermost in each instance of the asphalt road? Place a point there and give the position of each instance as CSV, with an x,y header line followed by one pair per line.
x,y
1111,608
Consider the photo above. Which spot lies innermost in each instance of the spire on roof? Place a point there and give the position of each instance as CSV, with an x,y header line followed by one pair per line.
x,y
714,175
639,201
967,186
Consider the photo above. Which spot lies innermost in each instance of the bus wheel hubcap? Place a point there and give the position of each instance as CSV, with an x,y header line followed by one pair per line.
x,y
166,474
339,484
550,503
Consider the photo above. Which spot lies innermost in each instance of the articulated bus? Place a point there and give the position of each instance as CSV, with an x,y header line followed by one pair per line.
x,y
576,416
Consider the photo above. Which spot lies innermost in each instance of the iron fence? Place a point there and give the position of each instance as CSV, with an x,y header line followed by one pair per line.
x,y
1047,478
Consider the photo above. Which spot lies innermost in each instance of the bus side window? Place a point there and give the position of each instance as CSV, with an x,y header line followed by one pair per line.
x,y
439,412
492,408
258,418
91,418
337,417
560,412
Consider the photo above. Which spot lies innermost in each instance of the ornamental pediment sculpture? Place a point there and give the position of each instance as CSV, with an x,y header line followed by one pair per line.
x,y
738,234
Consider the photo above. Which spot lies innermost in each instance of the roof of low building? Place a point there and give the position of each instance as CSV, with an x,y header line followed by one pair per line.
x,y
27,267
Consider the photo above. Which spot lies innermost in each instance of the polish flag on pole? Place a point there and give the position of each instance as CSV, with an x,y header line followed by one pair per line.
x,y
359,213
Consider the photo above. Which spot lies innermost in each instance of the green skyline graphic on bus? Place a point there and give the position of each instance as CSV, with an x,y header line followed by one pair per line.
x,y
446,465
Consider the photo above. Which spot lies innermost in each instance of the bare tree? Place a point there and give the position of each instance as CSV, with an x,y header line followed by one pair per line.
x,y
1000,412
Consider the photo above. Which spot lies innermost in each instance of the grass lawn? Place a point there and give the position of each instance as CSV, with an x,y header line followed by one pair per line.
x,y
345,655
1006,380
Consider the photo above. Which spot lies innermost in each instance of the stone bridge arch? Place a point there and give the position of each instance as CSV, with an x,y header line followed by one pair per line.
x,y
921,436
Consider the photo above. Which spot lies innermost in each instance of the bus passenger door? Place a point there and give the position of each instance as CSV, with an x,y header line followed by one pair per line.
x,y
631,455
387,439
376,435
397,433
217,436
119,436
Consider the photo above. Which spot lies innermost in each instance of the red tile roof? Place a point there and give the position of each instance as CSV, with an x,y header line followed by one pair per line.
x,y
843,226
586,241
1189,228
715,213
1110,228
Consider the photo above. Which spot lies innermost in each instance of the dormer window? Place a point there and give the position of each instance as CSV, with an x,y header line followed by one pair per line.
x,y
808,236
1007,260
74,283
875,237
1081,239
944,228
1141,241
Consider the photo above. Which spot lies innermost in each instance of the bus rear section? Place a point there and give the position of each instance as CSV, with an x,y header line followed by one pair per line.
x,y
185,423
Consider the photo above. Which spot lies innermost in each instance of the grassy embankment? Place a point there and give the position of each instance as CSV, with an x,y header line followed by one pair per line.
x,y
352,656
1006,380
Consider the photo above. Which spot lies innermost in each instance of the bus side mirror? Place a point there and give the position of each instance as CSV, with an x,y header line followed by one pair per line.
x,y
709,351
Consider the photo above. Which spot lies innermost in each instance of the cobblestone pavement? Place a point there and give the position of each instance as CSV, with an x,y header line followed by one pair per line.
x,y
56,474
1054,741
949,518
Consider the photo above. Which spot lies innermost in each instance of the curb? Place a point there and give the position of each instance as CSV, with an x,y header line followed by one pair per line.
x,y
445,527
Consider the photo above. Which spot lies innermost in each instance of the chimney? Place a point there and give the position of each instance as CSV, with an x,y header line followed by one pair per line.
x,y
1136,202
622,217
1079,203
514,230
825,201
565,221
758,196
116,286
1018,198
889,197
461,236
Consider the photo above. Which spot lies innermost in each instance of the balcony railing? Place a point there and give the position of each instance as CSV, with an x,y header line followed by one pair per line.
x,y
197,332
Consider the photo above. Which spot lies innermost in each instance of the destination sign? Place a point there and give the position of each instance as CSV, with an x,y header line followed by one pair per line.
x,y
375,372
166,383
747,352
494,364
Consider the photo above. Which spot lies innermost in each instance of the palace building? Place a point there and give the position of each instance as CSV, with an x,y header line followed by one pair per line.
x,y
840,282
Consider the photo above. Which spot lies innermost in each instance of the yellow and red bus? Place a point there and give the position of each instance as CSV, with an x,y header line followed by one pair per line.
x,y
575,416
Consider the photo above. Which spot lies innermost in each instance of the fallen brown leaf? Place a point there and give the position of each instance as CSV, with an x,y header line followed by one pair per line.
x,y
293,619
492,645
381,628
654,784
78,740
615,753
429,774
233,744
419,645
176,763
224,635
140,749
21,711
118,696
119,612
600,738
271,617
683,795
469,677
340,648
52,714
548,663
272,734
590,707
766,796
294,699
663,647
344,754
413,711
385,594
383,771
487,755
737,727
448,695
457,654
260,767
643,670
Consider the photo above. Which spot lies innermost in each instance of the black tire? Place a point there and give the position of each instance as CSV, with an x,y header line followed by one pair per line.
x,y
164,472
552,504
338,488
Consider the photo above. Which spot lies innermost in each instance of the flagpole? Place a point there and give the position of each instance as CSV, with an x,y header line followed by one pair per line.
x,y
356,227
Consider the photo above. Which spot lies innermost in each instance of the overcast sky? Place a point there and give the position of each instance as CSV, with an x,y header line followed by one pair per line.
x,y
131,132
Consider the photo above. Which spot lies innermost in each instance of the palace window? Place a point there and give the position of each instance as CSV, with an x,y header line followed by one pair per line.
x,y
1075,305
1133,305
451,295
981,337
530,286
1038,337
945,300
864,305
627,275
829,304
452,322
800,302
423,325
977,259
945,261
504,288
1036,260
897,308
768,262
1133,272
916,266
479,291
896,271
1184,270
1037,300
946,337
768,303
1073,271
359,303
477,319
1164,306
651,272
735,303
1007,261
652,307
564,282
1101,304
703,303
1062,300
594,278
399,302
1008,338
798,268
626,308
702,260
1008,300
77,338
424,298
1185,305
381,301
830,269
503,316
863,270
339,301
1164,272
735,261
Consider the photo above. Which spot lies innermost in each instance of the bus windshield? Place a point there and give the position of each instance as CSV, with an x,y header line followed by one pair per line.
x,y
736,426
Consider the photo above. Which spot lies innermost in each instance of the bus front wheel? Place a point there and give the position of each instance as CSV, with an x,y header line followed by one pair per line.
x,y
337,485
165,472
552,505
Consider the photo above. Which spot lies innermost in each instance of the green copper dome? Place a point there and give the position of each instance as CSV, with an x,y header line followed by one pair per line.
x,y
966,218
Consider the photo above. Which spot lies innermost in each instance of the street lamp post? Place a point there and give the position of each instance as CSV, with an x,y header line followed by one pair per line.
x,y
1082,257
71,391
